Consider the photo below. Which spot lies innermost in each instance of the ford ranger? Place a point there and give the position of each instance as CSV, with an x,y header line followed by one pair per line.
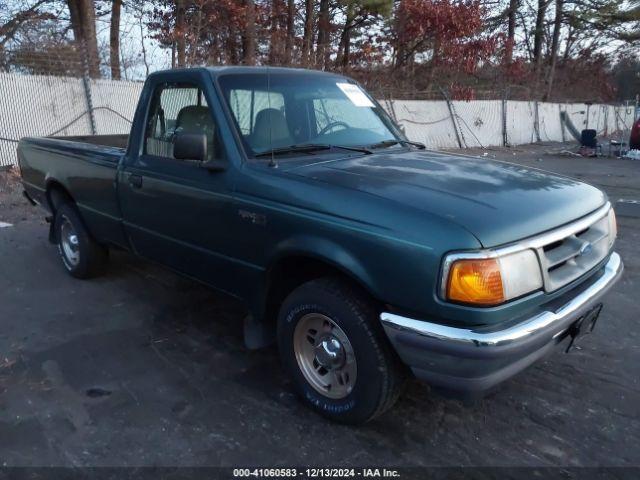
x,y
365,256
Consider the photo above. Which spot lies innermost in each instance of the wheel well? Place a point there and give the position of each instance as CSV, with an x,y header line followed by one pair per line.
x,y
290,272
57,195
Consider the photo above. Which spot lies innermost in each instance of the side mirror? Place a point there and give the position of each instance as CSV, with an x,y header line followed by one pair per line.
x,y
190,146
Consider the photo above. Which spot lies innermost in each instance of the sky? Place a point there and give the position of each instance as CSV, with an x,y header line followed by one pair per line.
x,y
133,35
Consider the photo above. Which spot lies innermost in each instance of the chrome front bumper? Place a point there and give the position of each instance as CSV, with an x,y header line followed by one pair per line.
x,y
469,360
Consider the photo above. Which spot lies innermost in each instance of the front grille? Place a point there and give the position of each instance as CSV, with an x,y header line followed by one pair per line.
x,y
566,259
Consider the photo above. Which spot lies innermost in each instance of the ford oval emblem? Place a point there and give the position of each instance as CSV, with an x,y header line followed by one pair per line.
x,y
586,248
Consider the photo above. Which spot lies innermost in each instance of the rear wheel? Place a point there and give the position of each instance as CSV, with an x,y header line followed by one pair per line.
x,y
333,346
81,255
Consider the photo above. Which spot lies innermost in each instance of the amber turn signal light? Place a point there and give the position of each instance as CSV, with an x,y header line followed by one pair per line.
x,y
476,282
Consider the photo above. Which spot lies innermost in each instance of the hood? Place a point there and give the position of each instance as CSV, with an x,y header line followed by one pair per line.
x,y
498,202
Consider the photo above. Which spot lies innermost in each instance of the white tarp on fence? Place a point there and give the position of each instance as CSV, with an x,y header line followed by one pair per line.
x,y
426,122
39,105
34,105
494,122
114,104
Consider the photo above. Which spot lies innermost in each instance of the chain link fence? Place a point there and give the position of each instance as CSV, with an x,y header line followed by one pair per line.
x,y
46,105
52,105
484,123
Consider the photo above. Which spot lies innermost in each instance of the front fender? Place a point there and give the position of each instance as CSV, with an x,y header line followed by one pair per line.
x,y
329,252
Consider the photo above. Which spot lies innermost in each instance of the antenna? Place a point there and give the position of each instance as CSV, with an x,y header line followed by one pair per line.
x,y
272,162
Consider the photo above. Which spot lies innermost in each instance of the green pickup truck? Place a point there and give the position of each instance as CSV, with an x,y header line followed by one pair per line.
x,y
365,256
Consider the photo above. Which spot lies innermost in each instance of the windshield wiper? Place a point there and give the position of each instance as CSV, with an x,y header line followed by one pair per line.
x,y
309,148
390,143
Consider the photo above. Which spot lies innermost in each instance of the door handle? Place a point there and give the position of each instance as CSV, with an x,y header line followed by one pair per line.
x,y
135,181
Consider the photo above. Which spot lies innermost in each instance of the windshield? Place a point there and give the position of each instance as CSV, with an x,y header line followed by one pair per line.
x,y
298,109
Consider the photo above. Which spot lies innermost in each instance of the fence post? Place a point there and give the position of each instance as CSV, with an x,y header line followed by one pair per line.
x,y
505,139
536,121
86,83
564,135
452,115
391,106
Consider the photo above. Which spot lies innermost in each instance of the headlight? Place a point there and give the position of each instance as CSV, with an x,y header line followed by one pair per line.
x,y
485,280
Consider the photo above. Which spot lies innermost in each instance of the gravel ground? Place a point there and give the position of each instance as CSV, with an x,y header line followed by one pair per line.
x,y
143,367
13,206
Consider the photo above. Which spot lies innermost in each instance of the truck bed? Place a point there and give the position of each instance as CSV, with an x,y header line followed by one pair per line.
x,y
85,166
117,141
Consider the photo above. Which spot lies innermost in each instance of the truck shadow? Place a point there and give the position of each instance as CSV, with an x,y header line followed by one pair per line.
x,y
193,326
190,324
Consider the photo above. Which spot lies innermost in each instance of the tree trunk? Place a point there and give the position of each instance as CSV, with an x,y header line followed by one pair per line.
x,y
400,45
538,39
91,39
75,17
322,49
249,34
568,44
273,33
539,32
288,49
307,41
114,39
526,35
181,44
511,31
555,44
433,64
83,23
345,40
143,49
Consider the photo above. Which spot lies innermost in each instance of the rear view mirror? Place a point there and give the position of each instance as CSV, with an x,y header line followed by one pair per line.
x,y
190,146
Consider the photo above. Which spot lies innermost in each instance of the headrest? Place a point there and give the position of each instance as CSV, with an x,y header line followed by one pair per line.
x,y
271,129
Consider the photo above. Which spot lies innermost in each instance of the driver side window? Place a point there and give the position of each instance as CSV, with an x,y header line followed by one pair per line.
x,y
175,109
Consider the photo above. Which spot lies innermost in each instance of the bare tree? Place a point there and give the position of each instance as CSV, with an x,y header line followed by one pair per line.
x,y
249,34
114,39
324,24
555,45
143,48
307,41
538,32
344,49
11,27
276,32
511,30
83,23
181,45
291,34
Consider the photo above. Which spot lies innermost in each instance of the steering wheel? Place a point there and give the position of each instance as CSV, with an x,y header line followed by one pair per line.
x,y
332,125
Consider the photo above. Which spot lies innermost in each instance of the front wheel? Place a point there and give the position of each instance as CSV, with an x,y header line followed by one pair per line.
x,y
333,346
81,255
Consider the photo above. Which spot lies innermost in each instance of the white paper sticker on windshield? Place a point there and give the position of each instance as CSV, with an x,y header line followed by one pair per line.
x,y
355,94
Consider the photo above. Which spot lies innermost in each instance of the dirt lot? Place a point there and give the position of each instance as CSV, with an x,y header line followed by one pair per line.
x,y
142,367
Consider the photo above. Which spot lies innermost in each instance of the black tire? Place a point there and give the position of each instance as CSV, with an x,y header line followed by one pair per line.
x,y
380,374
89,257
